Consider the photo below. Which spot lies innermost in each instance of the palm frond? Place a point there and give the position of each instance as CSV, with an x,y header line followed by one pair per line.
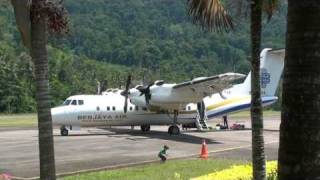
x,y
210,14
22,15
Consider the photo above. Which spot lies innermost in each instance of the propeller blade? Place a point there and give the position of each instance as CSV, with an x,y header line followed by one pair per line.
x,y
125,108
125,93
146,92
147,97
128,82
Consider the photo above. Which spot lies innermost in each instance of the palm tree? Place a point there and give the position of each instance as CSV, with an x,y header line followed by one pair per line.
x,y
39,56
300,119
212,14
33,18
258,156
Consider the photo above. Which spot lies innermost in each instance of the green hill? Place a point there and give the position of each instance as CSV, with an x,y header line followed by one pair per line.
x,y
108,39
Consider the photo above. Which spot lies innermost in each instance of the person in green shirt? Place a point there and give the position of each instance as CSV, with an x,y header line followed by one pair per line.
x,y
163,152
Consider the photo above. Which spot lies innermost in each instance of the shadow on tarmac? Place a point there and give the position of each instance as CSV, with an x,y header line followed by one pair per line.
x,y
137,135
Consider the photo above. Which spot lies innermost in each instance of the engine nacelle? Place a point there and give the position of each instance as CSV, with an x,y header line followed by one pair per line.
x,y
139,101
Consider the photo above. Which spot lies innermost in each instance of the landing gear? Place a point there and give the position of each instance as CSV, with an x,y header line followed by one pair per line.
x,y
145,128
175,117
64,131
174,130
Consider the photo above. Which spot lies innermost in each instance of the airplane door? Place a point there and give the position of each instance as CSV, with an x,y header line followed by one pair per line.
x,y
71,114
98,116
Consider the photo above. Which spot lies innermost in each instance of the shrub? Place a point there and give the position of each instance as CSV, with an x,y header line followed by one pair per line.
x,y
240,172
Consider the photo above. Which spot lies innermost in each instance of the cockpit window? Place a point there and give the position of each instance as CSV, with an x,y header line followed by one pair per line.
x,y
74,102
66,102
80,102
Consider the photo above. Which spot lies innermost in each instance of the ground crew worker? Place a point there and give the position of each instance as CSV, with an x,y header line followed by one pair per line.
x,y
225,122
163,152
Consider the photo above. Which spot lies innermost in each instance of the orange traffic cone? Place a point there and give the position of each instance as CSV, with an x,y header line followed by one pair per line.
x,y
204,150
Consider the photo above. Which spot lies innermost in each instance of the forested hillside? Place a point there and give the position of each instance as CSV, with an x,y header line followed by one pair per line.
x,y
110,38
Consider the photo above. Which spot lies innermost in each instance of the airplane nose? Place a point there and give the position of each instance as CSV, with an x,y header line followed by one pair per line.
x,y
57,115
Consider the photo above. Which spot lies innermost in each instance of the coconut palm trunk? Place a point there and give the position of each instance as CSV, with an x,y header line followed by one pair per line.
x,y
212,14
299,152
258,156
39,56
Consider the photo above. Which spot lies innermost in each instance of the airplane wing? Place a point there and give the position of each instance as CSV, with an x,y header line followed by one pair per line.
x,y
173,96
208,85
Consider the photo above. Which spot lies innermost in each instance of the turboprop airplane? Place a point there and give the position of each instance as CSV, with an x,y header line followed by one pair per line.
x,y
160,103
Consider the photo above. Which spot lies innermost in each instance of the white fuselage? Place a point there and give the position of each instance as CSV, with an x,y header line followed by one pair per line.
x,y
107,110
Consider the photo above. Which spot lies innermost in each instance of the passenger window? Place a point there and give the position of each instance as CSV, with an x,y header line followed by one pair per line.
x,y
189,108
108,108
113,108
130,108
137,108
80,102
74,102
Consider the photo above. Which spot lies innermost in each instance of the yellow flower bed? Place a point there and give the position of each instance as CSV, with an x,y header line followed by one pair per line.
x,y
240,172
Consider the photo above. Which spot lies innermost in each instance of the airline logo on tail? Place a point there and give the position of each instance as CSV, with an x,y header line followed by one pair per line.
x,y
265,78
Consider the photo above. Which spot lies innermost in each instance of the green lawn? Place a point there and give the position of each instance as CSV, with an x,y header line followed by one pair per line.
x,y
246,114
18,120
172,169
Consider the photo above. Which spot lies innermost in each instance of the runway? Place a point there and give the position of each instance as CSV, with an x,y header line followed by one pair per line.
x,y
95,148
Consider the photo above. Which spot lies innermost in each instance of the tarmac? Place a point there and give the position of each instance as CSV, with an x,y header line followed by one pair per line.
x,y
97,149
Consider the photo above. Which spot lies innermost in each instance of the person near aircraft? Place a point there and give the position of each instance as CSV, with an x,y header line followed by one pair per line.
x,y
163,153
225,121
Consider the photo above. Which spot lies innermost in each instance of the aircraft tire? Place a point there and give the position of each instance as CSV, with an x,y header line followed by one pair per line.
x,y
174,130
64,132
145,128
170,130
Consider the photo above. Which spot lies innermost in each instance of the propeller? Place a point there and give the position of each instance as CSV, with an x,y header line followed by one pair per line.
x,y
125,93
146,92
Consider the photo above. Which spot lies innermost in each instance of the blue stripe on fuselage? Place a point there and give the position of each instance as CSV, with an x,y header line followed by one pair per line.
x,y
239,107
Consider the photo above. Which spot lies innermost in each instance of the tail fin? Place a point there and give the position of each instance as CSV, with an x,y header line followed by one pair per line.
x,y
271,67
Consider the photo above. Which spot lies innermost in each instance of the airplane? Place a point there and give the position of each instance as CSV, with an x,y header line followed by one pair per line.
x,y
160,103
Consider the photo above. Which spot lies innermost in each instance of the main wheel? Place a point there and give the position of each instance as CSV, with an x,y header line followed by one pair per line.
x,y
174,130
145,128
64,132
170,130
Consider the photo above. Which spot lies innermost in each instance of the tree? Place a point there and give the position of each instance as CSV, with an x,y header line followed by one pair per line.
x,y
300,119
39,56
258,155
212,14
33,18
